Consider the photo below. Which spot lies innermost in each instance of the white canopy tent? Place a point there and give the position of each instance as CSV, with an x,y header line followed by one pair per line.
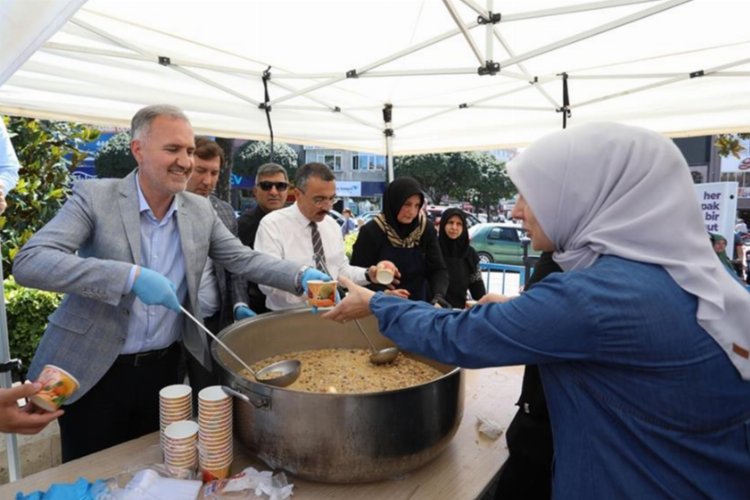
x,y
680,67
454,74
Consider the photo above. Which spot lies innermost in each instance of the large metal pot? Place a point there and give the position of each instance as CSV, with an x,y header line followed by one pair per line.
x,y
338,438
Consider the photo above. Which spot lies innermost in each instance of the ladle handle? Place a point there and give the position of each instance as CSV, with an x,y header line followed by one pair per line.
x,y
222,344
372,346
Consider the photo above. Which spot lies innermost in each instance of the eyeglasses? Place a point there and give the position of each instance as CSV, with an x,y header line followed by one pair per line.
x,y
320,201
267,185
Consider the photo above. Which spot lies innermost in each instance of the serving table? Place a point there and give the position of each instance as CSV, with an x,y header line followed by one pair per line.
x,y
464,470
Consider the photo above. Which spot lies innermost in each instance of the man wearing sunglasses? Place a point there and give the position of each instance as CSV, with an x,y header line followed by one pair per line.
x,y
303,233
270,191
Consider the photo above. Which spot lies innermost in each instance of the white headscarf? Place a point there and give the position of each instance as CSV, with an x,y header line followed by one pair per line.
x,y
611,189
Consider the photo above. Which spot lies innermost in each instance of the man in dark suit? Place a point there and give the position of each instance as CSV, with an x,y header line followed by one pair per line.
x,y
270,191
219,290
527,473
117,240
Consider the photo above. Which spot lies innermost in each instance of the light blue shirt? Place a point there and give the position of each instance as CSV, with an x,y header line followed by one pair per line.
x,y
156,327
9,165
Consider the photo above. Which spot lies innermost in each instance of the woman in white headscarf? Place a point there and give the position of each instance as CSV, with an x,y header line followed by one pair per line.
x,y
643,342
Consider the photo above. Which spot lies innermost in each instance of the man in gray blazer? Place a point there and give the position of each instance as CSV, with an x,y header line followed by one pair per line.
x,y
118,240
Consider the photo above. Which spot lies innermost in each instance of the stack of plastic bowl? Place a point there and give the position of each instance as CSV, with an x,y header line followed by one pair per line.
x,y
180,446
175,404
215,435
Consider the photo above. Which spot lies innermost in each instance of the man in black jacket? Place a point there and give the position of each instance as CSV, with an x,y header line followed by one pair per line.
x,y
221,296
527,474
271,190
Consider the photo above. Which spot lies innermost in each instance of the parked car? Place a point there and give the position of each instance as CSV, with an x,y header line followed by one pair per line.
x,y
368,216
500,242
336,216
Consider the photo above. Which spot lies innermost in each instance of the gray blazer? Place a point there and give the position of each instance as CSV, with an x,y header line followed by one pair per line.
x,y
87,252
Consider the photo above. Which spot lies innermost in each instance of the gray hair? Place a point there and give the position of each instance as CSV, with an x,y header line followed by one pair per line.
x,y
268,169
317,170
141,122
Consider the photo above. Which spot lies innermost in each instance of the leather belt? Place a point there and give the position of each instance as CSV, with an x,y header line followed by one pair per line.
x,y
144,358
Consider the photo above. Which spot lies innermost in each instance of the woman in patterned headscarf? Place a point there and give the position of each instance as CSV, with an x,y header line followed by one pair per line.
x,y
402,234
642,341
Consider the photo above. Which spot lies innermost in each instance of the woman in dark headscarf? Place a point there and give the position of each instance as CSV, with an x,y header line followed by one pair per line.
x,y
720,247
401,234
461,259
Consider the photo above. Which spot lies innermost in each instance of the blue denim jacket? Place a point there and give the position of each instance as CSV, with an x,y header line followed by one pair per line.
x,y
643,402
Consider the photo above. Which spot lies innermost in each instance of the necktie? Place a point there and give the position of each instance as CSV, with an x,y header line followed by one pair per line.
x,y
318,253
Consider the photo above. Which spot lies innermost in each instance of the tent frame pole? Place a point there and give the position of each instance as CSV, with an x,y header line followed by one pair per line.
x,y
6,381
464,30
680,78
388,133
597,30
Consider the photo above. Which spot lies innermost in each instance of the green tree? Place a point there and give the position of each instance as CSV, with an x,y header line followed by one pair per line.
x,y
455,175
730,144
48,152
255,153
493,184
224,186
115,158
27,311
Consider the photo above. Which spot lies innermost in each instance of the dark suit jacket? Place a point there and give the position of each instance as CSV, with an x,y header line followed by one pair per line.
x,y
231,289
247,229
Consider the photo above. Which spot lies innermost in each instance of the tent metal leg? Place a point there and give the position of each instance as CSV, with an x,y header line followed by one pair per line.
x,y
6,381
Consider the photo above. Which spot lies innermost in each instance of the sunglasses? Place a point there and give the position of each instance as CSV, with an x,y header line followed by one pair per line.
x,y
267,185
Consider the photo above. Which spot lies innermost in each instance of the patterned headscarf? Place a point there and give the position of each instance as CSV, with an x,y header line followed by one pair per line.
x,y
599,189
395,195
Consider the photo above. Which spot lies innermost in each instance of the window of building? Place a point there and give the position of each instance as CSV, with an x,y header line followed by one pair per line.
x,y
333,161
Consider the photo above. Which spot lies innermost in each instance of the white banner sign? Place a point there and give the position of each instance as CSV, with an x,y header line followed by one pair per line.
x,y
348,188
718,201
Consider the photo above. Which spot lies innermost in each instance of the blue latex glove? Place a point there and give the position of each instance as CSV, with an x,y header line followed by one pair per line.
x,y
313,274
243,312
154,289
80,490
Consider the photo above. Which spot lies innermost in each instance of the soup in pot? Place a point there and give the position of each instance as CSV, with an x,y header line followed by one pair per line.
x,y
350,371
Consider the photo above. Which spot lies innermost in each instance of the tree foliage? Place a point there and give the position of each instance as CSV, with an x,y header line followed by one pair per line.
x,y
115,158
48,153
494,184
255,153
730,144
472,176
27,311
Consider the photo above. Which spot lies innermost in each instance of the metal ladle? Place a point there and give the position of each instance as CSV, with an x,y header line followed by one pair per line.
x,y
378,357
280,374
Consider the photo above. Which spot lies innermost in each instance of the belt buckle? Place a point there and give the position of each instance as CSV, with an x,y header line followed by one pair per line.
x,y
140,356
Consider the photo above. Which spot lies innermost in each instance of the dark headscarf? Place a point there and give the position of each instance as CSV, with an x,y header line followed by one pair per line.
x,y
394,197
453,249
723,257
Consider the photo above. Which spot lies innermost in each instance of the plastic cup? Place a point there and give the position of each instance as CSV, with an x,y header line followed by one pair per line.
x,y
321,293
212,474
57,387
385,271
